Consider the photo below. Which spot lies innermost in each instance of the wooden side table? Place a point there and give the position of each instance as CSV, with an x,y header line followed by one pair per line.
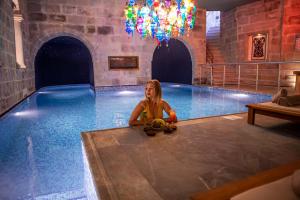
x,y
297,85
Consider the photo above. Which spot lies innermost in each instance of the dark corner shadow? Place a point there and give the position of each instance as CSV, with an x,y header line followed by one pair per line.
x,y
289,129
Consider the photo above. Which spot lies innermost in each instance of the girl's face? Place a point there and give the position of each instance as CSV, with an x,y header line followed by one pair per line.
x,y
150,90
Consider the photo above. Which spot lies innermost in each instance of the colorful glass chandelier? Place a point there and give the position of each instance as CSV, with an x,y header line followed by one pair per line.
x,y
160,19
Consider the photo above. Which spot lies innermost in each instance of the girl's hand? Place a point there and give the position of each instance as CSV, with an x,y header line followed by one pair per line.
x,y
172,117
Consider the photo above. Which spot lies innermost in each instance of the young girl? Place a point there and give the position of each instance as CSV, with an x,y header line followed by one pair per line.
x,y
152,106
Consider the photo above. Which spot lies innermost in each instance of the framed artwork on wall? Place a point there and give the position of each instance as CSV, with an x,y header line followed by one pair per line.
x,y
259,44
123,62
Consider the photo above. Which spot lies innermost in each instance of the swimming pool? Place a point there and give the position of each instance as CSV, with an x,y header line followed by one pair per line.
x,y
40,148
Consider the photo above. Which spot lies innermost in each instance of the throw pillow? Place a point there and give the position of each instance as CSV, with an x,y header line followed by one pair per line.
x,y
281,93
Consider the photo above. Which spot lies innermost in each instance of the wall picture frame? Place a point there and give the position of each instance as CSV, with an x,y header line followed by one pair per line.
x,y
259,44
123,62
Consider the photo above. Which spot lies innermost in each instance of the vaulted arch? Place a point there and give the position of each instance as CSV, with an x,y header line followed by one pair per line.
x,y
63,60
172,63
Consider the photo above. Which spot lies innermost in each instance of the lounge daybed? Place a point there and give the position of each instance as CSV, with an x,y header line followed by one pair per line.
x,y
278,183
274,110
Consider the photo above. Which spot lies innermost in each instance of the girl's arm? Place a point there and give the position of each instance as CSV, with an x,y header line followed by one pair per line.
x,y
133,121
170,112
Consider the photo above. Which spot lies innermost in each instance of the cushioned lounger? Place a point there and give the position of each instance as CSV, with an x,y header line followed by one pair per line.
x,y
274,110
229,190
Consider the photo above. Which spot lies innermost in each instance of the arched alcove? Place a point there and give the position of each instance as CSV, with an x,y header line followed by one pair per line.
x,y
63,60
172,63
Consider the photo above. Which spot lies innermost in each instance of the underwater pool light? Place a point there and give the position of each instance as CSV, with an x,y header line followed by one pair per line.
x,y
26,113
241,95
126,92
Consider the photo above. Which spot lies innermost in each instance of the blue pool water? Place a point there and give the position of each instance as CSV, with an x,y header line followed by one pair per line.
x,y
40,146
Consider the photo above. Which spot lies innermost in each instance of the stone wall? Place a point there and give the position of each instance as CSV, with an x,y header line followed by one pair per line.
x,y
242,22
281,22
229,36
15,83
100,26
259,17
291,30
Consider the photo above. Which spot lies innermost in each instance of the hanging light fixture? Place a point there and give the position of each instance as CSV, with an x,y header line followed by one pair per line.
x,y
160,19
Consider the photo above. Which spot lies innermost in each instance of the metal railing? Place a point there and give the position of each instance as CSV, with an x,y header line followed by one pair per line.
x,y
284,70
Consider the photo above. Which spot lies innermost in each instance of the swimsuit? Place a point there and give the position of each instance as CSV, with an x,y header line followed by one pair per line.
x,y
147,114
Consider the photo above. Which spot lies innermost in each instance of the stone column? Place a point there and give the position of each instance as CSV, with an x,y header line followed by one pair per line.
x,y
18,40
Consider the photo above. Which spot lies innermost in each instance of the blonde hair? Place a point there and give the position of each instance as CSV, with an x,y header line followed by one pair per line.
x,y
157,89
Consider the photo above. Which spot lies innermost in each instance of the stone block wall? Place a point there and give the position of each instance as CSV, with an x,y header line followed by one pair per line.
x,y
291,30
281,21
15,83
229,36
258,17
100,26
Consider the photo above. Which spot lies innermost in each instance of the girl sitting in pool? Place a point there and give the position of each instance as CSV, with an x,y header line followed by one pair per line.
x,y
152,106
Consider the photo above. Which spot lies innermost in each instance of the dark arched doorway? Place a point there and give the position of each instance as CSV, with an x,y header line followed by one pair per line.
x,y
61,61
172,63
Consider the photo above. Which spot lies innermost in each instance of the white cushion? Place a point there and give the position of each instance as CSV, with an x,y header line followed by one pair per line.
x,y
296,182
277,190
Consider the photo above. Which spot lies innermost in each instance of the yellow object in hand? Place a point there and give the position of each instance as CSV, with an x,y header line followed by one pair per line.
x,y
158,123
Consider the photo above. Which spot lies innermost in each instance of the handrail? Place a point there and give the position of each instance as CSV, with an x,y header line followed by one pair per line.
x,y
240,65
254,63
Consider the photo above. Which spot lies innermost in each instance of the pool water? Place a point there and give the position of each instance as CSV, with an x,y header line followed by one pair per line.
x,y
40,145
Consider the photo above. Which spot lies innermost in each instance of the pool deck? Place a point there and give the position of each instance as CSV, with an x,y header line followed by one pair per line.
x,y
202,154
